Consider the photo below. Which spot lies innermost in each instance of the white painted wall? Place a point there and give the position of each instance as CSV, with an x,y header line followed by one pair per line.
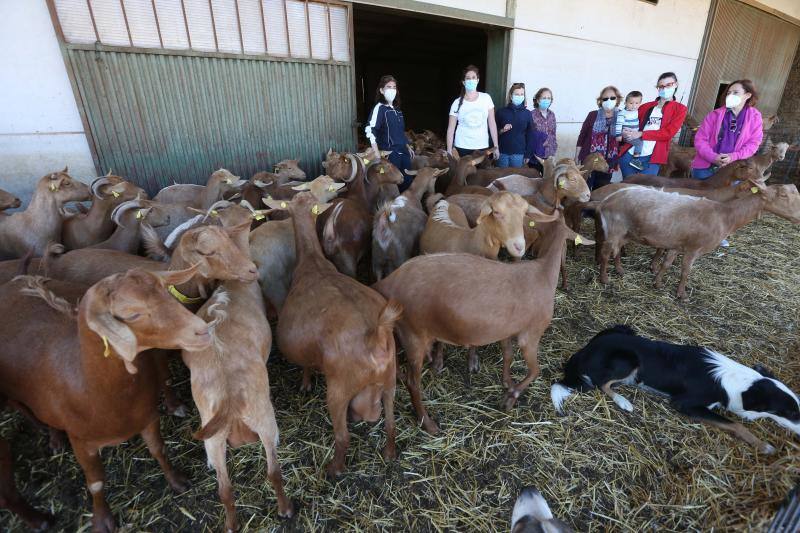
x,y
40,128
487,7
576,48
787,7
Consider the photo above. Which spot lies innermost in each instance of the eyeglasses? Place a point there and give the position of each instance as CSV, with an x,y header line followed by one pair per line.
x,y
666,85
614,98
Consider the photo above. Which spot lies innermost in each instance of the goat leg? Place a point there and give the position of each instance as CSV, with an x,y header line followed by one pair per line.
x,y
11,499
216,448
618,264
564,286
473,363
529,344
508,355
58,439
390,450
686,267
306,385
155,445
89,458
338,400
171,401
415,352
437,363
665,264
654,264
605,255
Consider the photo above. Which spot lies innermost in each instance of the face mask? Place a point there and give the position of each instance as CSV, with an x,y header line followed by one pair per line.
x,y
389,94
517,99
544,103
732,100
609,104
470,85
666,92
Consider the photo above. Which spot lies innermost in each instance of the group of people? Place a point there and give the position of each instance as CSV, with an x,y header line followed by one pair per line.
x,y
633,136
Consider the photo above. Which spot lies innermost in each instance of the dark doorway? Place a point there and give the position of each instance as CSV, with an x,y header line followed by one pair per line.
x,y
426,56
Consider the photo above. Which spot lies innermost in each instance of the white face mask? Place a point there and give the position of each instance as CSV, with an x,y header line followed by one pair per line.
x,y
732,100
609,104
389,94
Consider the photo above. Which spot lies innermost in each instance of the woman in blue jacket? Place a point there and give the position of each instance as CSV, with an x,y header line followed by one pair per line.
x,y
386,129
516,129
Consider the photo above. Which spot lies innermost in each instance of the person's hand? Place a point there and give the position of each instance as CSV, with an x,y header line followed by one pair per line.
x,y
725,159
629,134
496,153
454,153
505,128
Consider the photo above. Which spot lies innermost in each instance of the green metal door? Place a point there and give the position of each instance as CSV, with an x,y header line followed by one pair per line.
x,y
497,48
159,116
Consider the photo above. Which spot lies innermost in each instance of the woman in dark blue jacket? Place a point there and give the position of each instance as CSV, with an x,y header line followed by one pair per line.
x,y
516,129
386,129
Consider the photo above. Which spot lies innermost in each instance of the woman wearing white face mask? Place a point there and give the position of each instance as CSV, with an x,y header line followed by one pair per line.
x,y
659,121
473,113
597,135
728,133
386,128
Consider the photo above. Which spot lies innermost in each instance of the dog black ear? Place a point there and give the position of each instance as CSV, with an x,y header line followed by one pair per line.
x,y
764,371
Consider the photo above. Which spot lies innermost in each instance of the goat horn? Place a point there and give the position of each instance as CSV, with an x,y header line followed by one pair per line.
x,y
247,205
118,211
354,164
411,172
221,204
261,185
96,184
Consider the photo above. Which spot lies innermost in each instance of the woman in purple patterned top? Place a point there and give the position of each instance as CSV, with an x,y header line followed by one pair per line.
x,y
545,120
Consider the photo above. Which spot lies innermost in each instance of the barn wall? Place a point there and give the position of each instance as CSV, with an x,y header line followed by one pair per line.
x,y
575,48
40,128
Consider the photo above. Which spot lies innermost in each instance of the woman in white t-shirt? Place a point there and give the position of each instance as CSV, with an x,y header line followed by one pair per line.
x,y
471,118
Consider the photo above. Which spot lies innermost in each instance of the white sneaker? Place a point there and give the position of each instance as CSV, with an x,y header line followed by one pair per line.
x,y
724,243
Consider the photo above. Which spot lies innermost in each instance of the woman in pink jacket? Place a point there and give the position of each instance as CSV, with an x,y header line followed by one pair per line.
x,y
728,133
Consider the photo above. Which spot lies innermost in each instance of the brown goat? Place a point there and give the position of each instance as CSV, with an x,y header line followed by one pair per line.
x,y
96,226
130,217
8,201
684,224
272,246
744,169
460,170
679,162
398,225
230,385
519,297
82,375
772,152
370,179
41,222
498,224
333,324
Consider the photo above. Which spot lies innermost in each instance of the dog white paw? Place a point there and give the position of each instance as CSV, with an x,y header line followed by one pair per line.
x,y
623,403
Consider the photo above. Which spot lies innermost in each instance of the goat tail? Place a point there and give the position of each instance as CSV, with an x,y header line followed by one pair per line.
x,y
381,230
383,336
153,246
220,421
34,286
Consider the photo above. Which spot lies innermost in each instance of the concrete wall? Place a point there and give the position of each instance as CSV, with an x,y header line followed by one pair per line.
x,y
40,128
576,48
787,7
487,7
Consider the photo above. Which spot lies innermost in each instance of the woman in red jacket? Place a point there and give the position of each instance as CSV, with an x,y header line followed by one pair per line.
x,y
659,121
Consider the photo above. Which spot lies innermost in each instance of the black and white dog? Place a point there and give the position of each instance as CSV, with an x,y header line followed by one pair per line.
x,y
696,380
532,515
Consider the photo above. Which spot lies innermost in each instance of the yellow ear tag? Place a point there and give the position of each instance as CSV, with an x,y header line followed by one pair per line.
x,y
366,161
315,209
531,223
331,189
283,205
53,187
269,197
578,239
382,171
139,214
214,213
754,190
258,217
107,351
560,184
228,181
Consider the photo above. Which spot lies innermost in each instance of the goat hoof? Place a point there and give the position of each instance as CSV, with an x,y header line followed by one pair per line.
x,y
178,481
430,426
58,440
181,411
103,523
511,399
334,470
41,521
389,453
286,511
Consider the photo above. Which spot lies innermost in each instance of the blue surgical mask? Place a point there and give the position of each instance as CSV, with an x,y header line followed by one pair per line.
x,y
471,85
517,99
666,92
544,103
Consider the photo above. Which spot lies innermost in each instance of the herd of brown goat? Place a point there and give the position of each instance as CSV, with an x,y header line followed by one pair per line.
x,y
98,299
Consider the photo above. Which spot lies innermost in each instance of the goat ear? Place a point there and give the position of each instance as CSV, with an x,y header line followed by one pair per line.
x,y
538,216
177,277
301,187
100,320
486,210
330,152
272,203
324,164
578,239
66,170
477,160
386,153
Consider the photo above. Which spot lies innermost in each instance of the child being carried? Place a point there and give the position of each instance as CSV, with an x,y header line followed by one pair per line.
x,y
629,118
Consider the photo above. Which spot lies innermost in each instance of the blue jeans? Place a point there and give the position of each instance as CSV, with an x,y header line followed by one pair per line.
x,y
702,173
627,169
510,160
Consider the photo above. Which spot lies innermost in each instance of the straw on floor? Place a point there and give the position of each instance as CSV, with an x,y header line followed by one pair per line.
x,y
601,469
